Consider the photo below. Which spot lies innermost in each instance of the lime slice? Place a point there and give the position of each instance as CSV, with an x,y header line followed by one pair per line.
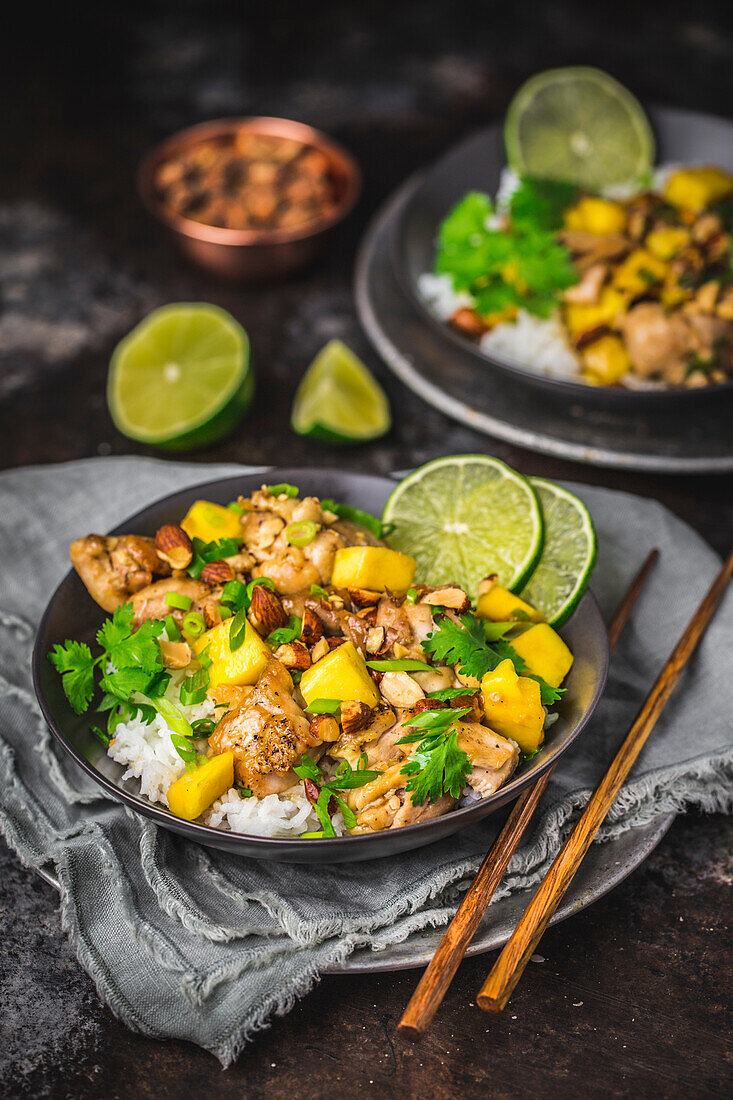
x,y
338,399
464,517
568,556
580,125
182,378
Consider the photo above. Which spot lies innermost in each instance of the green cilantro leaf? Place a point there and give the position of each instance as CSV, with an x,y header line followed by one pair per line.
x,y
540,203
75,663
438,766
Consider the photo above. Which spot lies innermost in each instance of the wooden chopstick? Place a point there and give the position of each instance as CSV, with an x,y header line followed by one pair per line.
x,y
441,969
508,968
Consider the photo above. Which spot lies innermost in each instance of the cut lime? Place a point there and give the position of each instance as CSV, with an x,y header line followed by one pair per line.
x,y
580,125
568,557
465,517
182,378
338,399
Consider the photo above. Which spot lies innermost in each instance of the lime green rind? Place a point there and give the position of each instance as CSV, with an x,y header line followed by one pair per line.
x,y
555,571
230,401
418,507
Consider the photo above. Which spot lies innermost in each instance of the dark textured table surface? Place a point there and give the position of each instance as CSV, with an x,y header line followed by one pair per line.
x,y
630,998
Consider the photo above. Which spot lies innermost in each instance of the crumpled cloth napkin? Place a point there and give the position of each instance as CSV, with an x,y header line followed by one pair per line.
x,y
187,942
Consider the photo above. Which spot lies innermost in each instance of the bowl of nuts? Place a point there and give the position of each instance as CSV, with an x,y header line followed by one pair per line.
x,y
249,198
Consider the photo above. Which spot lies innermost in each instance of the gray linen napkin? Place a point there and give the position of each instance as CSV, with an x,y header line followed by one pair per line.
x,y
182,941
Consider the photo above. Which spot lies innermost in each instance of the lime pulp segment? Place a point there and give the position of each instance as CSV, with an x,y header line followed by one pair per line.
x,y
568,557
464,517
578,124
176,371
339,399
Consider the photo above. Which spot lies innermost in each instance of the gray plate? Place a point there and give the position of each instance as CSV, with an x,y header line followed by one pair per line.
x,y
663,438
605,866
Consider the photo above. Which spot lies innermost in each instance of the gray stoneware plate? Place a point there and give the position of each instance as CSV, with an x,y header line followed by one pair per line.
x,y
72,614
476,164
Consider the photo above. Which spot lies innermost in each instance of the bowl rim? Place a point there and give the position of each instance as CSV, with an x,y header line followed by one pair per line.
x,y
265,124
568,387
321,847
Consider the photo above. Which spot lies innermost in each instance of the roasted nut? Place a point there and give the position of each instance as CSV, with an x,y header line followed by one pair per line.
x,y
175,654
364,597
325,727
267,609
368,614
311,791
320,649
447,595
355,716
400,650
376,676
469,323
425,704
312,629
212,613
400,690
217,572
374,639
293,655
589,336
174,546
334,643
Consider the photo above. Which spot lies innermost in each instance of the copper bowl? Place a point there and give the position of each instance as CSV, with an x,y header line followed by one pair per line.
x,y
251,254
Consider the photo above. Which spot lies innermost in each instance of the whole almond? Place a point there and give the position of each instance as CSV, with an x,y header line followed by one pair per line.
x,y
355,716
217,572
364,597
325,727
312,629
174,546
266,607
294,655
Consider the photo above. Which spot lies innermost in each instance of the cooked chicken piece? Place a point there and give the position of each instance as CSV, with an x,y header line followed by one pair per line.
x,y
289,571
658,343
590,249
351,745
385,804
439,679
149,602
411,815
268,734
588,290
259,531
322,551
234,695
406,625
353,535
400,690
493,757
114,567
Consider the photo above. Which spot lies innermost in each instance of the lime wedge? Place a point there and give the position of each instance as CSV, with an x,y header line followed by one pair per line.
x,y
580,125
182,378
464,517
338,399
568,557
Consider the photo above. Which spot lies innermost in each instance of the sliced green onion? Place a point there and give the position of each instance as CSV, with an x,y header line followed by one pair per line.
x,y
259,580
318,835
171,629
235,506
412,595
243,792
175,599
321,593
234,595
174,717
400,664
452,693
323,706
100,736
191,767
204,658
285,634
301,534
225,612
183,747
321,808
307,768
493,631
194,688
194,624
283,489
237,630
203,727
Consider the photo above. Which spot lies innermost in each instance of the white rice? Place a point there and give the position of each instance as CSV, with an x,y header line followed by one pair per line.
x,y
438,292
148,755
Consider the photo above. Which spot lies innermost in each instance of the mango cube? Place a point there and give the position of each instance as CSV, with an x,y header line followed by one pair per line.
x,y
243,666
512,706
210,522
639,271
580,317
606,359
190,795
666,242
545,653
593,215
501,606
341,674
696,188
373,567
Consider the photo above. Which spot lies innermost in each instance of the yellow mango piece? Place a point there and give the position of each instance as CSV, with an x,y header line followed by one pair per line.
x,y
190,795
501,606
579,318
545,653
639,271
341,674
244,666
672,293
667,242
512,706
210,522
606,359
696,188
594,215
373,567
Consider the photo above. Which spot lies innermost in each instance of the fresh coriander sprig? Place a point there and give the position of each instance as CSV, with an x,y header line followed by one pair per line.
x,y
437,766
345,778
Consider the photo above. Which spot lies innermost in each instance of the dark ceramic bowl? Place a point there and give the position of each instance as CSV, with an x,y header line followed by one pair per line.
x,y
72,614
476,165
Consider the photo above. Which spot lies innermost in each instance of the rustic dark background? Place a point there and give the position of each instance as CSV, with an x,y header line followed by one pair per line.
x,y
630,1000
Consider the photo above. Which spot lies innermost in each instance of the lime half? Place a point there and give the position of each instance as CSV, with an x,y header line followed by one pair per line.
x,y
568,556
465,517
339,400
580,125
182,378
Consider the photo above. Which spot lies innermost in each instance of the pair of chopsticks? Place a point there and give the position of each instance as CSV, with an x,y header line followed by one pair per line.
x,y
510,964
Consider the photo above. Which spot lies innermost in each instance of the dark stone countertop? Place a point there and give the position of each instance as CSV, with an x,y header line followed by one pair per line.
x,y
630,998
